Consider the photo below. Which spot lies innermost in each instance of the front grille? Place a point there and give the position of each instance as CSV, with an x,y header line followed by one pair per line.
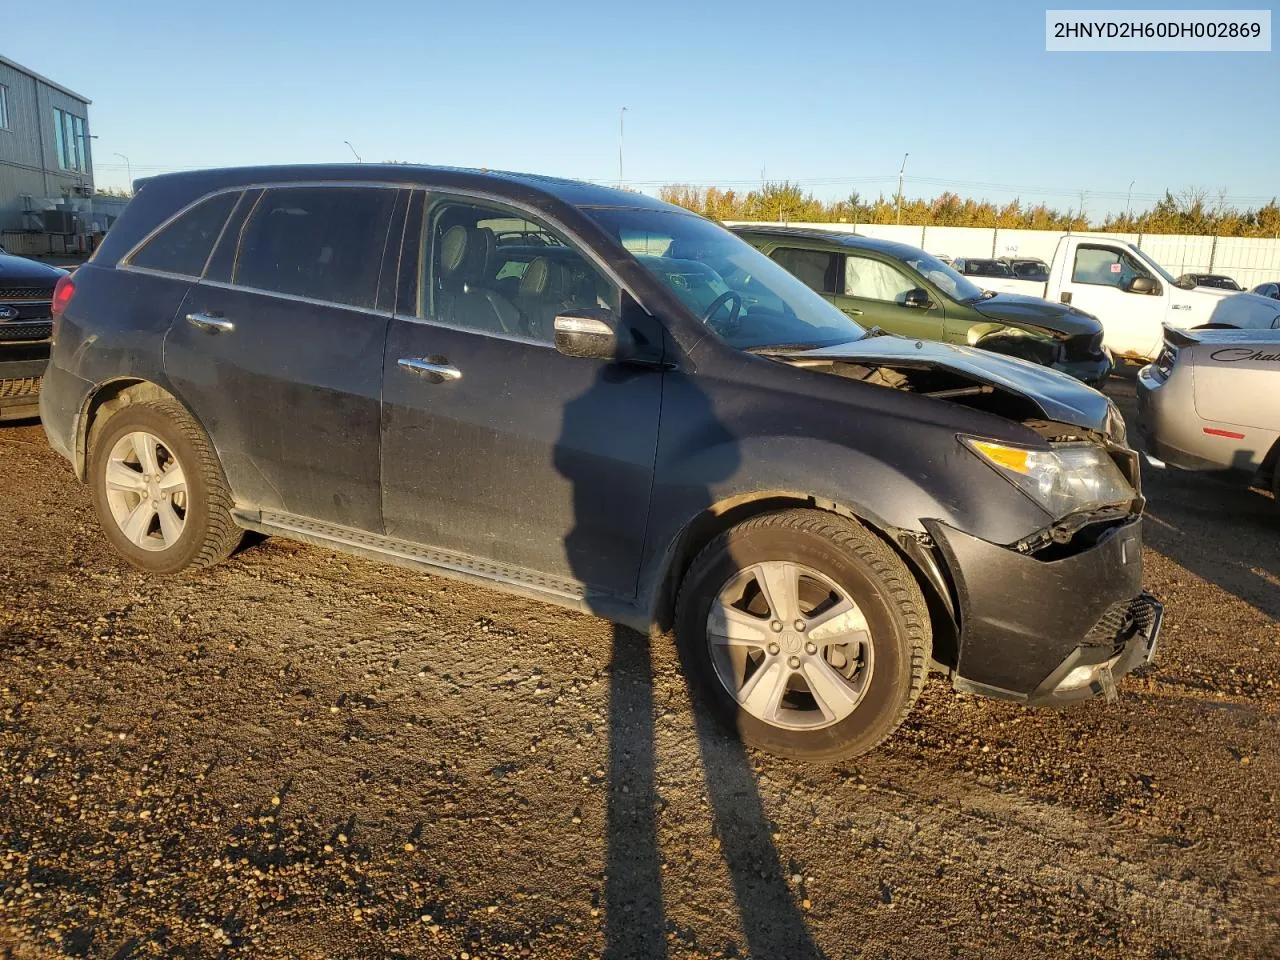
x,y
18,330
1121,621
25,387
25,293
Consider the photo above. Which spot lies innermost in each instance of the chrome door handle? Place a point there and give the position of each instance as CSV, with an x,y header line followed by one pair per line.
x,y
851,311
431,367
207,321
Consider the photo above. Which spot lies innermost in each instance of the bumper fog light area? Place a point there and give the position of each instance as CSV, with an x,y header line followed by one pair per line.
x,y
1079,677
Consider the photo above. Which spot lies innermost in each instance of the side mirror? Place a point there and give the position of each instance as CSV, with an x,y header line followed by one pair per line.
x,y
1141,285
589,334
917,298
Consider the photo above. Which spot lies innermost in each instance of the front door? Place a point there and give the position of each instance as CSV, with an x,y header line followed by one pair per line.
x,y
1099,284
875,292
278,351
496,447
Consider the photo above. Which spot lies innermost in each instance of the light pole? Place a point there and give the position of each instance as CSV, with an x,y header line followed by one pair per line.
x,y
622,116
128,170
1128,198
353,151
901,170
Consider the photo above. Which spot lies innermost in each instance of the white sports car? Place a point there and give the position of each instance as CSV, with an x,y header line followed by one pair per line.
x,y
1211,401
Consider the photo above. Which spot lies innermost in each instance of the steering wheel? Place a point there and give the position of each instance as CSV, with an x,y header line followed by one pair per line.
x,y
729,296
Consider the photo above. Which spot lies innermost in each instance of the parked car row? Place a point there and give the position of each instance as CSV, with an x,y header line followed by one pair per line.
x,y
1129,292
597,399
905,291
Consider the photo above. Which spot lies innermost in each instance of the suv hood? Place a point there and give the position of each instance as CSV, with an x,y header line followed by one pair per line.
x,y
1057,396
1018,310
20,270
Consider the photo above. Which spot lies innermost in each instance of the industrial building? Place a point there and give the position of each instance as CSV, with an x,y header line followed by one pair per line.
x,y
46,162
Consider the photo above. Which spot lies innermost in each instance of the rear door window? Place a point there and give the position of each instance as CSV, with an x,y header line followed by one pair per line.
x,y
322,243
817,270
183,246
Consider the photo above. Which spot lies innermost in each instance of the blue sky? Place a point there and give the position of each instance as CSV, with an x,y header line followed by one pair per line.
x,y
716,91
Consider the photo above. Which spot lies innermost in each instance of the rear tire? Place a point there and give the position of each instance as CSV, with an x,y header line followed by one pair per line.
x,y
844,670
158,489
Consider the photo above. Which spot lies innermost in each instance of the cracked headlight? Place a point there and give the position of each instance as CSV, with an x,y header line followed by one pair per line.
x,y
1116,429
1069,478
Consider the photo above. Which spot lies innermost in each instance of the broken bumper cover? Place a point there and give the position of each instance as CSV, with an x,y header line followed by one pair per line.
x,y
1046,632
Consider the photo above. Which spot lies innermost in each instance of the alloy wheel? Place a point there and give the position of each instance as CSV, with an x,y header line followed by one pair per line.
x,y
790,645
146,491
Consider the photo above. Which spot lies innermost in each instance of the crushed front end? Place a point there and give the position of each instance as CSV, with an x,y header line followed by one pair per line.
x,y
1061,614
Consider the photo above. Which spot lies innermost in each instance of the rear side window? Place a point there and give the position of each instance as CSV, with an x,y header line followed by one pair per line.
x,y
818,270
183,246
324,243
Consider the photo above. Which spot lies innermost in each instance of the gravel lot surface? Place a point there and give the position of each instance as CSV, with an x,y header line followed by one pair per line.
x,y
304,754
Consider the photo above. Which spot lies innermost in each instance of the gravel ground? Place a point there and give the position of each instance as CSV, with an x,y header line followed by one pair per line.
x,y
304,754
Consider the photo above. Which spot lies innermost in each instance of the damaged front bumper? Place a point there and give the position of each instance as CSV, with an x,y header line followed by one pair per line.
x,y
1047,628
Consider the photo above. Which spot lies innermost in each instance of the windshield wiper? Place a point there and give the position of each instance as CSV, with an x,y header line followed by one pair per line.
x,y
784,347
984,295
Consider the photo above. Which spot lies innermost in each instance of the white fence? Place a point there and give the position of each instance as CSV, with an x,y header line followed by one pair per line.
x,y
1248,260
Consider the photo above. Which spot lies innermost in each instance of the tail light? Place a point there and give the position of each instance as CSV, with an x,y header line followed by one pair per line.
x,y
62,294
1168,357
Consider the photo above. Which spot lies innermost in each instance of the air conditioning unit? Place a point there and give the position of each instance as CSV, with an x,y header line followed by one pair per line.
x,y
59,221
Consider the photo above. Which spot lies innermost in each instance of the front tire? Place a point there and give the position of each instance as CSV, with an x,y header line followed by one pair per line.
x,y
158,489
804,634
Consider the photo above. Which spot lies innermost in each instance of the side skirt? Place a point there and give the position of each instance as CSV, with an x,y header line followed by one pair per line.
x,y
485,573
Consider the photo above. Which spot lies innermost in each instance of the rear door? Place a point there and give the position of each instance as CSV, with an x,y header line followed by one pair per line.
x,y
874,291
278,350
497,449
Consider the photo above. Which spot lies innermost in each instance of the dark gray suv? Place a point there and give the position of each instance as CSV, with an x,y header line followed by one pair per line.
x,y
602,401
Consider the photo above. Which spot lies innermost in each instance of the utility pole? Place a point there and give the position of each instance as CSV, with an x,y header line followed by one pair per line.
x,y
1083,195
128,171
1128,198
622,131
353,151
901,171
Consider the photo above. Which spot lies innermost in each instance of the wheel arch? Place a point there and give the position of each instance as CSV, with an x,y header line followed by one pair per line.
x,y
106,398
916,551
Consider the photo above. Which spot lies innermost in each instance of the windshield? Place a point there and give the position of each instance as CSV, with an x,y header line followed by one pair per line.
x,y
739,293
987,268
1165,274
954,285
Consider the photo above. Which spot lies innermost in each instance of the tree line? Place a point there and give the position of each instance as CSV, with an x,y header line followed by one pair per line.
x,y
1190,211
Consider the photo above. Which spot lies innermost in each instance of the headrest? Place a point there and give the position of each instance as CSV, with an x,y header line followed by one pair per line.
x,y
536,279
453,249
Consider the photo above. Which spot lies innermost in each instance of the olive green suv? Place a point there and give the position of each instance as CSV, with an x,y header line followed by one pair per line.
x,y
903,290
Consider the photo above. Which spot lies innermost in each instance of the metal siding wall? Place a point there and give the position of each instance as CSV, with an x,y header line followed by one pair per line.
x,y
19,143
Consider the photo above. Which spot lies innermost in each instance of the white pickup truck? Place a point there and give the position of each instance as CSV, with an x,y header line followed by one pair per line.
x,y
1133,296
